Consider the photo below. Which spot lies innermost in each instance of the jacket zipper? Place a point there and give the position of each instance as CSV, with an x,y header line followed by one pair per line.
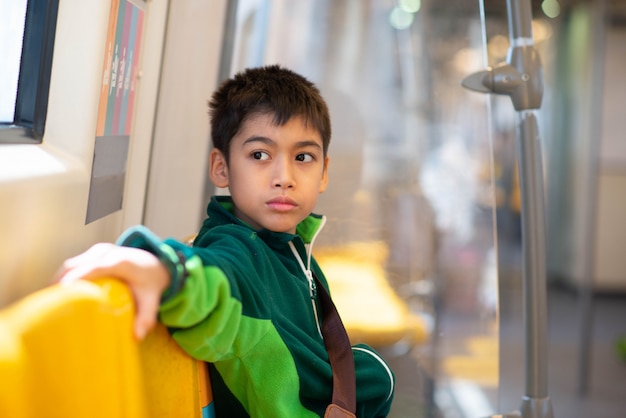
x,y
312,287
307,272
313,293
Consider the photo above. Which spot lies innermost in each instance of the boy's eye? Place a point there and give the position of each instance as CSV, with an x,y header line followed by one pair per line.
x,y
260,155
304,158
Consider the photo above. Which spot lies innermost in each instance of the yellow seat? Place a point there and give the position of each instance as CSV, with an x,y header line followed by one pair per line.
x,y
370,309
68,351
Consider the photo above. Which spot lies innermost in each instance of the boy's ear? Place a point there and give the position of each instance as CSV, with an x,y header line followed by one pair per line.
x,y
324,182
218,169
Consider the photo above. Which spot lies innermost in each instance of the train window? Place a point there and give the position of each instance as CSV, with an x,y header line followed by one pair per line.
x,y
27,29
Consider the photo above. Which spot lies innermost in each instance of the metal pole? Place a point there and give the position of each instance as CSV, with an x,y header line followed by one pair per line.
x,y
521,78
534,268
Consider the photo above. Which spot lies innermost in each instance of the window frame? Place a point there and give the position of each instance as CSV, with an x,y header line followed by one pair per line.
x,y
31,104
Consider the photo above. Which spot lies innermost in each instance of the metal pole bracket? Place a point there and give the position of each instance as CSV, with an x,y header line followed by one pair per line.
x,y
520,78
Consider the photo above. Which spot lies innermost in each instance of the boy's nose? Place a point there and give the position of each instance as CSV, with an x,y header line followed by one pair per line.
x,y
283,177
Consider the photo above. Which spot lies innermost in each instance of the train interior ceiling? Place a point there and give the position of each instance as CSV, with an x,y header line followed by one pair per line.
x,y
424,190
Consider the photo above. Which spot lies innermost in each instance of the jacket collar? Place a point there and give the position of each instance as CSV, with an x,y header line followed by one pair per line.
x,y
221,211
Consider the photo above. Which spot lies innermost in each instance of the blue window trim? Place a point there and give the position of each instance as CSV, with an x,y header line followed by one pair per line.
x,y
31,105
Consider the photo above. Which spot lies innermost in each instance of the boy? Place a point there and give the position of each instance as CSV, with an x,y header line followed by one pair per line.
x,y
242,297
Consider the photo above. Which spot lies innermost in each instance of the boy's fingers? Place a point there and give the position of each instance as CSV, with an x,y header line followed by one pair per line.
x,y
147,308
139,269
73,275
77,267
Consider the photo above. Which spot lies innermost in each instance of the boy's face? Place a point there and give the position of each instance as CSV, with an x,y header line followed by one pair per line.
x,y
275,173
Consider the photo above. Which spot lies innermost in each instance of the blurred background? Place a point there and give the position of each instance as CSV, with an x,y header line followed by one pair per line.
x,y
429,169
423,248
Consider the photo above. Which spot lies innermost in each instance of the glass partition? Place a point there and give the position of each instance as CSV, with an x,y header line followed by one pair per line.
x,y
412,194
422,171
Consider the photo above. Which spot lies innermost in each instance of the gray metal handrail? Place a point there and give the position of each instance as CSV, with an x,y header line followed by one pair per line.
x,y
521,78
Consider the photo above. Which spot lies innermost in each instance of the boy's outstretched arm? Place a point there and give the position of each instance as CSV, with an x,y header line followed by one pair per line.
x,y
146,276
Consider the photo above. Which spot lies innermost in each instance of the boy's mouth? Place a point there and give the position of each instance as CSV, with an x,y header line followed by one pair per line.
x,y
281,204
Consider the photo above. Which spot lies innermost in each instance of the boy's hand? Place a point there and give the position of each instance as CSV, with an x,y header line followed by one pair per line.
x,y
146,276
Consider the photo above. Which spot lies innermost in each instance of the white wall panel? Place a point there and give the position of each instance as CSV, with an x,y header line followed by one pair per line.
x,y
44,188
181,141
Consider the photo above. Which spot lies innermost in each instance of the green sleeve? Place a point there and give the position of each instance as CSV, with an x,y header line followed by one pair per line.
x,y
200,307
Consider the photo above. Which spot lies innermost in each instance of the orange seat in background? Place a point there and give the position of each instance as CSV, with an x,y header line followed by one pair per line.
x,y
68,351
370,308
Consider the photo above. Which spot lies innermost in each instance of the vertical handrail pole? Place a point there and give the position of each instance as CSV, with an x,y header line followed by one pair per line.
x,y
534,267
533,217
521,78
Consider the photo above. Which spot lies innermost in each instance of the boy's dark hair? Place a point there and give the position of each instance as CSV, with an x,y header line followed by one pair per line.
x,y
266,90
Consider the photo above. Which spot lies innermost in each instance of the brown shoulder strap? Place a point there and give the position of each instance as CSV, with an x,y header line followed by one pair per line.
x,y
339,352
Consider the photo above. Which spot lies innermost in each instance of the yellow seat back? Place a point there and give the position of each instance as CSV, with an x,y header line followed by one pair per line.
x,y
68,351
